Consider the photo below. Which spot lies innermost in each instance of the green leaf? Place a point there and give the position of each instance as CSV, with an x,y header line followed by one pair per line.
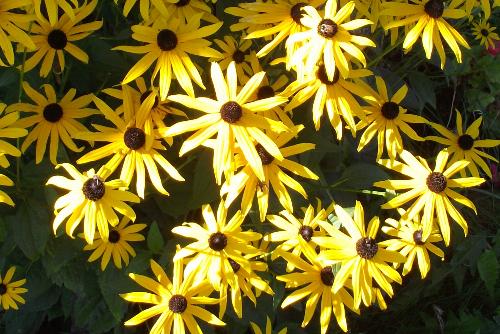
x,y
488,270
155,239
204,188
424,88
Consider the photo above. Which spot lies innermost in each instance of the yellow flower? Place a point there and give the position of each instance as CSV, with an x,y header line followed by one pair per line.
x,y
238,52
318,276
465,145
433,190
10,31
10,291
246,181
4,197
326,39
117,245
92,200
385,117
169,43
362,258
136,146
410,243
7,130
429,16
177,301
233,118
485,34
50,9
54,119
54,39
268,330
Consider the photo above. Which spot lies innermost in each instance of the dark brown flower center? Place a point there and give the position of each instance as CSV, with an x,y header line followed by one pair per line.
x,y
231,112
145,95
327,276
94,188
485,32
465,142
134,138
57,39
182,3
306,232
217,241
52,112
234,265
297,12
177,303
434,8
238,56
327,28
265,157
390,110
417,237
367,248
114,236
265,92
3,289
323,77
436,182
166,40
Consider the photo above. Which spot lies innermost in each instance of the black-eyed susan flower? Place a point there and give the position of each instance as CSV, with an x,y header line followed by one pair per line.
x,y
410,244
7,130
136,146
432,190
91,199
117,246
234,118
55,120
145,7
267,330
177,302
485,34
169,43
4,197
362,258
465,145
428,20
246,181
326,39
385,118
10,291
237,51
52,41
10,20
50,9
316,281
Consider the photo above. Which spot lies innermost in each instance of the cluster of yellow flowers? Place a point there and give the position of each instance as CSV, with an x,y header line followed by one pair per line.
x,y
248,124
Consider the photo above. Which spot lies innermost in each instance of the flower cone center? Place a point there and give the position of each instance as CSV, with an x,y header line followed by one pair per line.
x,y
231,112
177,304
465,142
327,28
367,248
114,236
94,189
134,138
434,8
217,241
417,237
327,276
265,157
390,110
52,112
306,232
166,40
57,39
323,77
238,56
265,92
297,12
182,3
234,265
3,289
436,182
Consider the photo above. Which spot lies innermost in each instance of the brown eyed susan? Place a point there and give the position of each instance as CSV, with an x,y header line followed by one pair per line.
x,y
177,302
52,120
465,145
362,258
431,189
237,51
52,41
234,118
117,246
91,199
9,130
169,43
11,291
485,34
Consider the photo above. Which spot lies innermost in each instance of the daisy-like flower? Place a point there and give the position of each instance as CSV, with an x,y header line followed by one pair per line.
x,y
169,43
92,199
177,301
238,52
385,118
10,291
145,7
326,39
50,9
410,244
136,146
8,130
336,96
316,281
4,197
53,40
10,20
485,34
234,119
246,181
117,245
362,258
428,17
268,330
218,243
465,145
432,190
54,119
